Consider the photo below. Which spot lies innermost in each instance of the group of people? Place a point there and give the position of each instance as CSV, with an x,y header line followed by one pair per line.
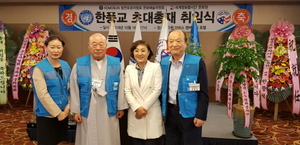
x,y
167,103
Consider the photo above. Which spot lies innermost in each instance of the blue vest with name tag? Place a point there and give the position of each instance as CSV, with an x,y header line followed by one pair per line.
x,y
56,86
112,81
187,100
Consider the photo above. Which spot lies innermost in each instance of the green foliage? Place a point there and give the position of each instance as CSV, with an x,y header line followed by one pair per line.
x,y
236,56
194,49
11,51
297,34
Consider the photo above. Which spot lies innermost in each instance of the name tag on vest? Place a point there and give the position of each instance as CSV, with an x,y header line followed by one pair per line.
x,y
194,86
96,83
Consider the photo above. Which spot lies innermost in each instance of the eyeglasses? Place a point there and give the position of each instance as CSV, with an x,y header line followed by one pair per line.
x,y
101,44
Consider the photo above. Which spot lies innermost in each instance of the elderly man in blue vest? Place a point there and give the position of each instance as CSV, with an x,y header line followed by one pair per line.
x,y
97,95
184,93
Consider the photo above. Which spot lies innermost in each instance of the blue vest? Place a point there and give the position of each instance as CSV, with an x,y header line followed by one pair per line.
x,y
187,100
56,86
112,81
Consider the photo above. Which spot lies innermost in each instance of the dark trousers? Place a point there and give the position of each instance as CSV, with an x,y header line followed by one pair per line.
x,y
137,141
181,131
50,131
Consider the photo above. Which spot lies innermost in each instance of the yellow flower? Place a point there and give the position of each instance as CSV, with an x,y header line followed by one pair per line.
x,y
26,62
33,44
32,63
280,50
30,86
24,85
33,50
282,80
41,33
280,39
277,70
41,44
283,64
271,79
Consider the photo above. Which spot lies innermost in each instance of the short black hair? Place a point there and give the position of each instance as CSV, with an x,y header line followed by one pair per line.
x,y
185,35
140,42
54,37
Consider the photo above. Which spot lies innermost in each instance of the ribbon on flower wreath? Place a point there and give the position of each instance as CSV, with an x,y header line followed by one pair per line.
x,y
3,76
242,30
281,74
31,52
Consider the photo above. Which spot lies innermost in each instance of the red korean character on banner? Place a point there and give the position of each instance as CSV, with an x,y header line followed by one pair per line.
x,y
241,17
69,17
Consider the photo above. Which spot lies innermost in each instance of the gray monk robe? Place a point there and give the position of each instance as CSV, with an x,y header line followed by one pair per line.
x,y
98,128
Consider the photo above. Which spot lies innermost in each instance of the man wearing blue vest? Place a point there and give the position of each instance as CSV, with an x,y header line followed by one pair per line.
x,y
97,95
184,93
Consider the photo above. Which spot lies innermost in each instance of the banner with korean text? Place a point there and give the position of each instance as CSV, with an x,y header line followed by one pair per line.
x,y
97,17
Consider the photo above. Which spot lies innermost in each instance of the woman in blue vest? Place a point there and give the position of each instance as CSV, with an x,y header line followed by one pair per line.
x,y
50,79
142,88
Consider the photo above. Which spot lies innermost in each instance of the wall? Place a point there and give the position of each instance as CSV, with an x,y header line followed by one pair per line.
x,y
19,17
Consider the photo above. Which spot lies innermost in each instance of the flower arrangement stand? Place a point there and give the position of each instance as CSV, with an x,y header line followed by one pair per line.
x,y
280,74
27,98
9,104
276,110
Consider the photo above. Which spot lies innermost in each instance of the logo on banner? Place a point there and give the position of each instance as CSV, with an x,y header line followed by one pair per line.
x,y
69,17
86,17
172,8
223,17
241,17
164,53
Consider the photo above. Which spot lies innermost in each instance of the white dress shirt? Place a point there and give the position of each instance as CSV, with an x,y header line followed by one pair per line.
x,y
174,76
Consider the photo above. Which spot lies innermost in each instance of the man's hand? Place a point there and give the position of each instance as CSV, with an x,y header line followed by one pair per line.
x,y
198,122
120,114
77,117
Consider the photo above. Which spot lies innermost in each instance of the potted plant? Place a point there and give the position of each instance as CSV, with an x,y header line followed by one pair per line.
x,y
239,63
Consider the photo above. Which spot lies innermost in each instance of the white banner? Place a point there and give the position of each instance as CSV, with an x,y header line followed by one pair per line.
x,y
97,17
3,76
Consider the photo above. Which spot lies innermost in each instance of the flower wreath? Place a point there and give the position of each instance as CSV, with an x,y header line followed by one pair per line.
x,y
281,76
32,51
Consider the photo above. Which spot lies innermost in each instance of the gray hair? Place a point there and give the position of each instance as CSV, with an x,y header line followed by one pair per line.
x,y
97,34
